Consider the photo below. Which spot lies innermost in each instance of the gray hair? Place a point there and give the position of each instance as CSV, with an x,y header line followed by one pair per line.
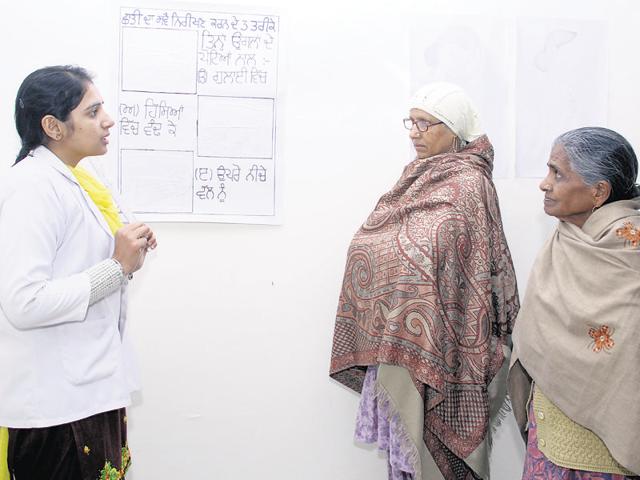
x,y
596,154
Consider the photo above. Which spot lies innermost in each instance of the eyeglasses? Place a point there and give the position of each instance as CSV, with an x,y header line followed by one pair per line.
x,y
422,125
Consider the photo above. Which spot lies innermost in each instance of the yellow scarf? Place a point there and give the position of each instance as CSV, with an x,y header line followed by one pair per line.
x,y
4,444
100,196
104,201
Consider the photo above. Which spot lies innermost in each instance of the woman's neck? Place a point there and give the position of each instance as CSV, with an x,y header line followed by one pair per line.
x,y
64,155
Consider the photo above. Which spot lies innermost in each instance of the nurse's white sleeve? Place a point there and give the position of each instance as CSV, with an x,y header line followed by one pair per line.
x,y
31,230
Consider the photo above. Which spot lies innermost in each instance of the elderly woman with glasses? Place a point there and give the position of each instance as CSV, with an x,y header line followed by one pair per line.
x,y
428,301
574,379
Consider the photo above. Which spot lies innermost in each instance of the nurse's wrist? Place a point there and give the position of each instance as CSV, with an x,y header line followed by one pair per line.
x,y
126,275
105,278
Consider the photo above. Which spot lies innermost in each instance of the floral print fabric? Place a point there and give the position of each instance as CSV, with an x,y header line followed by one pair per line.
x,y
377,424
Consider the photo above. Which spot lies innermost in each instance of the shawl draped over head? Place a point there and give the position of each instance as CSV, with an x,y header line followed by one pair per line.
x,y
578,330
429,286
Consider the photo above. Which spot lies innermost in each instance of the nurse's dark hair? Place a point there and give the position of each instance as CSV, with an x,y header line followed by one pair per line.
x,y
56,91
597,153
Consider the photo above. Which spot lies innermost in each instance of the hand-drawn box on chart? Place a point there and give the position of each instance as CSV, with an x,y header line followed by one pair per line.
x,y
235,127
159,60
157,181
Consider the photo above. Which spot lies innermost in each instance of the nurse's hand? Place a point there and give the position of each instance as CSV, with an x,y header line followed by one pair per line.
x,y
132,242
151,240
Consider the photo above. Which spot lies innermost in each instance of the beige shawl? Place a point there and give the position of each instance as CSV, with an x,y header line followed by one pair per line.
x,y
578,331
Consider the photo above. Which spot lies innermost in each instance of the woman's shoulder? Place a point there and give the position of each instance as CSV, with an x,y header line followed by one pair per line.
x,y
464,170
616,219
28,178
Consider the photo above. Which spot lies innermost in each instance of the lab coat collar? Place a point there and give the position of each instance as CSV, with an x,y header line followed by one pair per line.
x,y
46,156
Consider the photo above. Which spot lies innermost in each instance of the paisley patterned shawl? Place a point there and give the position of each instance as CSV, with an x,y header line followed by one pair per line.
x,y
429,285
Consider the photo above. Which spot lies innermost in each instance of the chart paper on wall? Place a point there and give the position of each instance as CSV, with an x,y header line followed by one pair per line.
x,y
561,84
197,117
471,52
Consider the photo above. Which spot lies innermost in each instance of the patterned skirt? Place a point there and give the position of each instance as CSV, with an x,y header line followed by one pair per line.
x,y
94,448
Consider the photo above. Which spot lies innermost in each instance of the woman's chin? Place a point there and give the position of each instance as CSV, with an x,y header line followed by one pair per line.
x,y
548,209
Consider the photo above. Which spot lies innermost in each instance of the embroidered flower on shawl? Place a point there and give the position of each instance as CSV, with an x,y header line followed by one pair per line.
x,y
602,338
630,233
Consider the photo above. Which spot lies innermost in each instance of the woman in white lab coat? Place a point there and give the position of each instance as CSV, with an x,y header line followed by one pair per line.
x,y
65,260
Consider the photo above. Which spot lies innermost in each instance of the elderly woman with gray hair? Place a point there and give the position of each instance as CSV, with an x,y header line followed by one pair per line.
x,y
428,301
575,375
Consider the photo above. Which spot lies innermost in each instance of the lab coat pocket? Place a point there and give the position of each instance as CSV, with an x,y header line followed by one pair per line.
x,y
90,349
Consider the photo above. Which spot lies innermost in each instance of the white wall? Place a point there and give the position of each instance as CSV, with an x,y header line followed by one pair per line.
x,y
233,323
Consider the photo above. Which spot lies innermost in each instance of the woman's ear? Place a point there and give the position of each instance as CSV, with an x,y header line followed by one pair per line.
x,y
52,127
601,192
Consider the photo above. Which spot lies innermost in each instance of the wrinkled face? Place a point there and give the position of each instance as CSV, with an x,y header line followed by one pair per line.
x,y
87,129
436,140
566,196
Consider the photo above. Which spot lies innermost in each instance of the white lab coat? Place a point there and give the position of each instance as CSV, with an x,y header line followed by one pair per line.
x,y
60,359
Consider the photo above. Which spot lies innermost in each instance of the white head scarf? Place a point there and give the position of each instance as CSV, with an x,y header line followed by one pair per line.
x,y
450,104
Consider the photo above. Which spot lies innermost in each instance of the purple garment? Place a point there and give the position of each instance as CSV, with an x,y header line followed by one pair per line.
x,y
377,423
539,467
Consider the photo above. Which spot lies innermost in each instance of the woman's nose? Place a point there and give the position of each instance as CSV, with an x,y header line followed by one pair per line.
x,y
108,121
544,185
